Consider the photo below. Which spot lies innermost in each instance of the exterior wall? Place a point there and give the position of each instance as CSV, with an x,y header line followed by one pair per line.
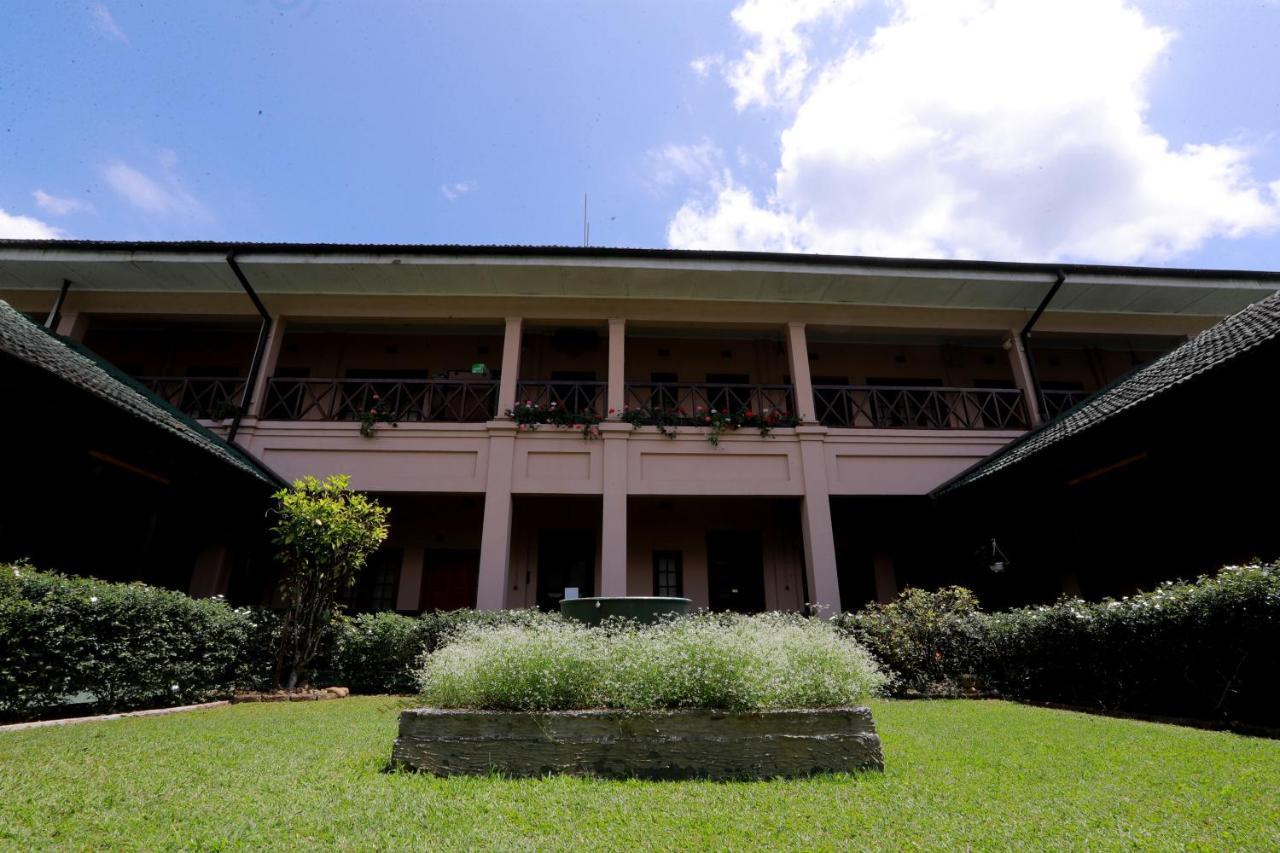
x,y
490,489
330,355
692,359
682,524
541,355
175,350
423,524
531,516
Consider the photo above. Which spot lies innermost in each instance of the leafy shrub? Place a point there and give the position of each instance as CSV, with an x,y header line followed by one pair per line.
x,y
704,661
125,645
324,534
931,642
378,652
1203,650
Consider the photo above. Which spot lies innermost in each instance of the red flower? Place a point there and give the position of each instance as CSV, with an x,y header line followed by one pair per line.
x,y
750,413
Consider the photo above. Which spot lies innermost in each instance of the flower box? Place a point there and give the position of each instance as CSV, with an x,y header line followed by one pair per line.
x,y
686,744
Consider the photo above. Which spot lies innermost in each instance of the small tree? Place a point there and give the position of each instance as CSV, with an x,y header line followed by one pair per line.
x,y
324,534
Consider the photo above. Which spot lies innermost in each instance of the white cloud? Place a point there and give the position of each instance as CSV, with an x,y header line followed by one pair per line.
x,y
775,68
957,130
15,227
162,195
670,165
703,65
106,23
454,191
58,205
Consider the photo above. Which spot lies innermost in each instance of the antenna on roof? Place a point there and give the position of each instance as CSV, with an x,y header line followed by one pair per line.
x,y
586,223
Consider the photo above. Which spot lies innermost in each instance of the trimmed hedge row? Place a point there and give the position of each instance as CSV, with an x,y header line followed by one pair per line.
x,y
380,652
115,647
1201,650
118,646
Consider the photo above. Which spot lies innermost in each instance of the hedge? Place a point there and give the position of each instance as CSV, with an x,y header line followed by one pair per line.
x,y
380,652
116,646
1202,650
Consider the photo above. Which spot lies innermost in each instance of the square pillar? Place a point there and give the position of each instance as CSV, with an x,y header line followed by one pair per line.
x,y
212,572
1022,377
886,580
801,382
613,527
73,325
616,396
815,524
267,369
409,593
512,340
495,538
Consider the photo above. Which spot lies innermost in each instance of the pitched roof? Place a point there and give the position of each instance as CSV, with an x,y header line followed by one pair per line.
x,y
603,252
78,366
1208,351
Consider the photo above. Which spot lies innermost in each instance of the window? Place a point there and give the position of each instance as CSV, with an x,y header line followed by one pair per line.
x,y
668,573
376,588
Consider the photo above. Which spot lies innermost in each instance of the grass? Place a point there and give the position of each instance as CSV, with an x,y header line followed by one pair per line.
x,y
959,773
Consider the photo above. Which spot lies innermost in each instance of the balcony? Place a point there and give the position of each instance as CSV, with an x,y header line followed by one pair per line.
x,y
1056,402
205,397
915,407
687,399
399,400
587,398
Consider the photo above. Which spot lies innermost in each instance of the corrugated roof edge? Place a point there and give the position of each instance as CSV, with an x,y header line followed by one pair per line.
x,y
1078,419
224,247
246,461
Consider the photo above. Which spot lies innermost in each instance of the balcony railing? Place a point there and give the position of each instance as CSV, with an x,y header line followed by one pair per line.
x,y
205,397
449,400
690,397
578,397
1057,402
901,407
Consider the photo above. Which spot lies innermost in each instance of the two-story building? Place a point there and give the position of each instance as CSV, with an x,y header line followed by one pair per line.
x,y
877,380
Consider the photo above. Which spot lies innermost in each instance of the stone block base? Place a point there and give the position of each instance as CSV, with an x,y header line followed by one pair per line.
x,y
663,745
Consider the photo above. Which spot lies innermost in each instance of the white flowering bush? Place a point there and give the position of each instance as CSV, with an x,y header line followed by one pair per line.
x,y
702,661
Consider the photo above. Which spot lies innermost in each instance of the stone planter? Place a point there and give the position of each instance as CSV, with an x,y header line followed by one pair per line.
x,y
662,745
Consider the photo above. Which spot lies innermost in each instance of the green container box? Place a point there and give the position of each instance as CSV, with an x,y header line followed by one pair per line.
x,y
645,609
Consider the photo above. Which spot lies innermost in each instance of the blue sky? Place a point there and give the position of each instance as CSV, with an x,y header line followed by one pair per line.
x,y
1080,130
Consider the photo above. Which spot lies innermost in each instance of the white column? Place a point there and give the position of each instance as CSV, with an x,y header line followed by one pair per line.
x,y
802,384
1022,377
815,523
495,538
613,527
270,357
512,340
616,396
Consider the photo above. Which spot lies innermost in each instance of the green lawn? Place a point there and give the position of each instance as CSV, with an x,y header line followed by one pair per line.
x,y
959,773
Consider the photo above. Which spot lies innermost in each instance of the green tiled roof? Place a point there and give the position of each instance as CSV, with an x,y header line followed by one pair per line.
x,y
72,363
1238,334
